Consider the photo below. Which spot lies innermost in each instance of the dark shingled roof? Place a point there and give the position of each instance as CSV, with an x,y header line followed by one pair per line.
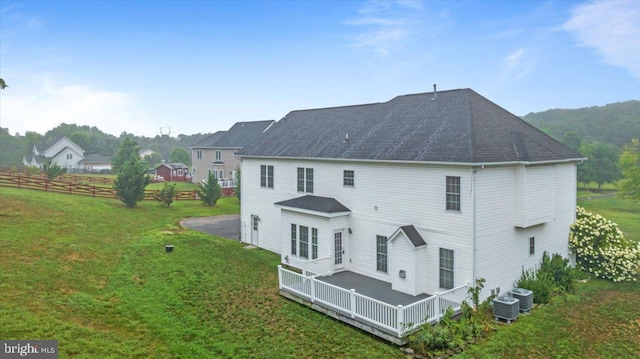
x,y
174,165
458,126
315,203
414,236
238,135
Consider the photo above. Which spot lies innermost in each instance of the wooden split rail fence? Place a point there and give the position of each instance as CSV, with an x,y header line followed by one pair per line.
x,y
73,187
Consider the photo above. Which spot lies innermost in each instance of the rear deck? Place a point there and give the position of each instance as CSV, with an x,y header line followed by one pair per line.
x,y
368,303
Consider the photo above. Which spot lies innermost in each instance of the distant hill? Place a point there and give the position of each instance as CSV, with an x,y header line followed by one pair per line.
x,y
615,123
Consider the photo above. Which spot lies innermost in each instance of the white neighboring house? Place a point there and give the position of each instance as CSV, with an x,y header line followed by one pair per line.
x,y
63,152
425,192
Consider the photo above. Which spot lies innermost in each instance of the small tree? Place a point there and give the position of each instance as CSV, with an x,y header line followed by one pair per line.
x,y
167,193
629,163
181,155
210,191
238,179
131,181
53,170
127,148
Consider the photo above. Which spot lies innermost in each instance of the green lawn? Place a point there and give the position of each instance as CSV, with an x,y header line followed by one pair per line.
x,y
94,275
625,213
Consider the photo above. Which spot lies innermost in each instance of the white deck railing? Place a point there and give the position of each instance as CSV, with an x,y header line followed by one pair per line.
x,y
397,319
319,266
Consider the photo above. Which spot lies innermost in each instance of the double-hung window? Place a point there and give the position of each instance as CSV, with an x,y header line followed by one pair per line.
x,y
218,155
532,246
305,180
300,241
266,176
314,243
348,178
304,242
446,268
199,154
381,253
453,193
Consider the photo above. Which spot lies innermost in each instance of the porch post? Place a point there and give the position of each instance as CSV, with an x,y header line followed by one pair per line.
x,y
400,320
436,306
313,289
331,265
352,296
279,276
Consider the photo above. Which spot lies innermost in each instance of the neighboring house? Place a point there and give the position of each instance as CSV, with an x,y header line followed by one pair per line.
x,y
217,153
175,172
95,163
425,193
144,153
62,151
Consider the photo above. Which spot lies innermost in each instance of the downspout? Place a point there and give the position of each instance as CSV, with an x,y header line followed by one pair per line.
x,y
474,236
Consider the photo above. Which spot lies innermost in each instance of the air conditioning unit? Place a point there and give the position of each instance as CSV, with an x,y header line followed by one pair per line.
x,y
525,297
506,308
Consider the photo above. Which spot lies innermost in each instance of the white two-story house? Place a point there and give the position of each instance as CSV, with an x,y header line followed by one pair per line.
x,y
425,192
62,152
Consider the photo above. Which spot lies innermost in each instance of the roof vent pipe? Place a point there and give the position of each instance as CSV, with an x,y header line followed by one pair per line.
x,y
435,93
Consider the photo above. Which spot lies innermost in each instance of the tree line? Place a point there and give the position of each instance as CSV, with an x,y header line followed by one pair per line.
x,y
92,140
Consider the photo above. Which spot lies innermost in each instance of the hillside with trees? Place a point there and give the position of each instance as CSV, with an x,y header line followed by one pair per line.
x,y
615,123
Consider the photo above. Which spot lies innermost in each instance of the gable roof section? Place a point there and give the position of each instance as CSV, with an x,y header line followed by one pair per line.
x,y
209,141
459,126
309,203
237,136
96,158
174,165
412,235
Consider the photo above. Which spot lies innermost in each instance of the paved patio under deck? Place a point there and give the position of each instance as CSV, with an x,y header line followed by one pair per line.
x,y
372,288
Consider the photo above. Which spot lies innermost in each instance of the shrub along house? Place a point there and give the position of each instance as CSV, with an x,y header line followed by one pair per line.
x,y
407,202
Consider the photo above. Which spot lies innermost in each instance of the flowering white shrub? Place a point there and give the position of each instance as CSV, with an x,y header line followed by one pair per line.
x,y
601,248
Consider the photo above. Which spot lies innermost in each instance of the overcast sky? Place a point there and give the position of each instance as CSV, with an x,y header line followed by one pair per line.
x,y
200,66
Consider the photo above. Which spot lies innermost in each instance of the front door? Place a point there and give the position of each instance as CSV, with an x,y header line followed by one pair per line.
x,y
254,229
338,250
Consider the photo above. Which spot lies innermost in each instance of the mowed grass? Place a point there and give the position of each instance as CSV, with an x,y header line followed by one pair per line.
x,y
94,275
600,320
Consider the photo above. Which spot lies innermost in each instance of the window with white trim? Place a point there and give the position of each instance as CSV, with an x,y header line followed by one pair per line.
x,y
266,176
218,155
304,242
532,246
453,193
348,178
199,154
305,180
294,239
446,268
300,241
314,243
381,254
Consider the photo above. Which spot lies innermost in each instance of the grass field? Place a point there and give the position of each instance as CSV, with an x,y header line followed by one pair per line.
x,y
94,275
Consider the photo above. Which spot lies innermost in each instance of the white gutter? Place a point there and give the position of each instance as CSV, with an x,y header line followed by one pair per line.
x,y
526,163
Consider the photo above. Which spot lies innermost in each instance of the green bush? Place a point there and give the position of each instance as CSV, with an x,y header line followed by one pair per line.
x,y
559,270
167,193
541,284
